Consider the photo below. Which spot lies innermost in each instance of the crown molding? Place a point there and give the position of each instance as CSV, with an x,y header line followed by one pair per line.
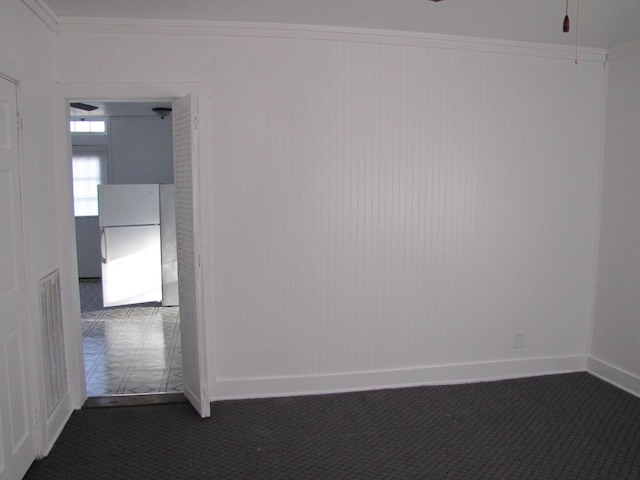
x,y
44,13
68,24
313,32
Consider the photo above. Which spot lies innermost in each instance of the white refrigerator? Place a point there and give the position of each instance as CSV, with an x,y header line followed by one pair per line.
x,y
131,244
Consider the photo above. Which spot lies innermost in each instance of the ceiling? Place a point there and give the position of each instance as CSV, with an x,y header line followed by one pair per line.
x,y
118,109
602,23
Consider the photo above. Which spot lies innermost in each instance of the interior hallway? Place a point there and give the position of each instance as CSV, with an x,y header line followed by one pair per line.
x,y
133,349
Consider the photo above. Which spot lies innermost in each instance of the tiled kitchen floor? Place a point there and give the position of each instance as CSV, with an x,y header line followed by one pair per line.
x,y
133,349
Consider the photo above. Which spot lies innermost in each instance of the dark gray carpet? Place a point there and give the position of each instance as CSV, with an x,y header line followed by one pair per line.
x,y
572,426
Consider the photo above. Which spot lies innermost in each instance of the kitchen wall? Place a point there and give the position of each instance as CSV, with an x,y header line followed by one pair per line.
x,y
140,150
616,331
380,209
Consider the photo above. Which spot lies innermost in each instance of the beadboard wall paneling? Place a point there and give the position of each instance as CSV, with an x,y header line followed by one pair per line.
x,y
379,207
616,332
9,28
134,58
383,207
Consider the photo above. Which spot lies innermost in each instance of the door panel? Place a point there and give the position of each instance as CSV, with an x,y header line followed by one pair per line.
x,y
192,323
17,439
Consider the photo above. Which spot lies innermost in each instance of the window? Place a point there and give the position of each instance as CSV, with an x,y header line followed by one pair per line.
x,y
88,126
89,165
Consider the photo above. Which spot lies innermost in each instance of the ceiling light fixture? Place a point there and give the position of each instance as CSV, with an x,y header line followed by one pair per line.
x,y
161,111
83,106
566,24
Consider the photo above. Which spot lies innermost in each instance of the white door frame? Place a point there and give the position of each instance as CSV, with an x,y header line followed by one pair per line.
x,y
105,92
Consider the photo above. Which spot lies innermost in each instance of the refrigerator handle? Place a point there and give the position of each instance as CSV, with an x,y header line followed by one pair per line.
x,y
103,244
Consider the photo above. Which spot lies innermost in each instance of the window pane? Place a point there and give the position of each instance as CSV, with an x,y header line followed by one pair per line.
x,y
84,207
97,126
86,178
82,127
88,126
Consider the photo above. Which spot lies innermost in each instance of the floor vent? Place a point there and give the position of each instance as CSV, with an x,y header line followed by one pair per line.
x,y
52,340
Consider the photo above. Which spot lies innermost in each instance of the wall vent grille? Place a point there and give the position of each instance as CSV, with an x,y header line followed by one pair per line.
x,y
55,370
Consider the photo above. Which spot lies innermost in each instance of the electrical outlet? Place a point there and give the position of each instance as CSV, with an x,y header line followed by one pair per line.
x,y
518,340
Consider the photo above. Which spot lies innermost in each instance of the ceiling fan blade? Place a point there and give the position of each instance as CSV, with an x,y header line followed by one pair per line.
x,y
84,106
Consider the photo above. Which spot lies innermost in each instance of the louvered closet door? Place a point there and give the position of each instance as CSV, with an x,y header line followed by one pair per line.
x,y
192,323
17,439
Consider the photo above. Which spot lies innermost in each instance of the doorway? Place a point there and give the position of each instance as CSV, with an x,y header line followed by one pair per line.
x,y
134,348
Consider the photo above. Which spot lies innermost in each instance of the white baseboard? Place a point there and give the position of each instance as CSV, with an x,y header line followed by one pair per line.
x,y
614,375
237,388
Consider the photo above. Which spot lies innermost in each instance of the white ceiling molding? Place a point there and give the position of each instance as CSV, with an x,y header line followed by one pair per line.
x,y
42,10
312,32
70,24
602,24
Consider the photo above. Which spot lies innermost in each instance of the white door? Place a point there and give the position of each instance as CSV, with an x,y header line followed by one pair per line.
x,y
192,323
17,440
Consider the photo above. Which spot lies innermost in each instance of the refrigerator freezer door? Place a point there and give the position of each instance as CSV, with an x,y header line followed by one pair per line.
x,y
131,266
120,205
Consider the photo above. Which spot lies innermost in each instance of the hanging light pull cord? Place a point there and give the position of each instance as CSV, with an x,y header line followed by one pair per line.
x,y
577,24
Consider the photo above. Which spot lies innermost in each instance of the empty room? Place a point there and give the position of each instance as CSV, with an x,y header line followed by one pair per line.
x,y
407,237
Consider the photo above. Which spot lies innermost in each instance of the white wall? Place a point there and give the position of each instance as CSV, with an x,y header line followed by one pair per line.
x,y
382,210
616,332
